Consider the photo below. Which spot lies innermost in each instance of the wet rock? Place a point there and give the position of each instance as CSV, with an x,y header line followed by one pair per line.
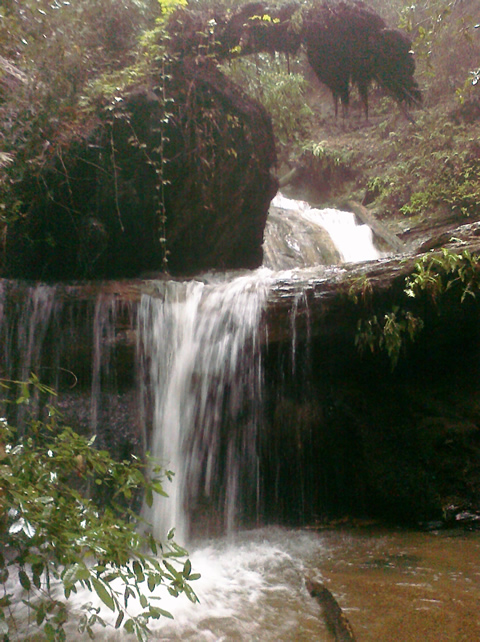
x,y
130,193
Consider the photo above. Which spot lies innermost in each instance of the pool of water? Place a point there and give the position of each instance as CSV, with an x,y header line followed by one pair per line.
x,y
393,586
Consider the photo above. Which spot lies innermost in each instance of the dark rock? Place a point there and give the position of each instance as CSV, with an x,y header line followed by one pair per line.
x,y
335,619
95,209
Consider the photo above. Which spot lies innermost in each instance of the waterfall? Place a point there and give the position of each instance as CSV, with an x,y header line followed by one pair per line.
x,y
200,362
198,402
298,235
176,367
28,319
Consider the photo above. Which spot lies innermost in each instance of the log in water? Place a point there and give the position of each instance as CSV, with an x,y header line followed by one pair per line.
x,y
337,623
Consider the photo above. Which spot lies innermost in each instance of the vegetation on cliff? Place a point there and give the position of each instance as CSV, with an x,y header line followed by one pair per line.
x,y
418,173
60,61
114,167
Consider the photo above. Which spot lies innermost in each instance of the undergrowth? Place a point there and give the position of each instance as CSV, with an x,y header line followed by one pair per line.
x,y
433,276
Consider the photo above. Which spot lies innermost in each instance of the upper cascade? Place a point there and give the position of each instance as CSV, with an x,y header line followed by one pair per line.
x,y
298,235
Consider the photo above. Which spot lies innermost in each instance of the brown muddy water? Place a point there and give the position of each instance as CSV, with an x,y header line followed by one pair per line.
x,y
393,586
406,586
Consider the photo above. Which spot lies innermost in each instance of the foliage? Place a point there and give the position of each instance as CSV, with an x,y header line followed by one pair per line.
x,y
443,40
456,186
361,291
378,187
57,532
426,22
436,274
79,58
433,168
330,166
388,332
433,275
266,79
61,47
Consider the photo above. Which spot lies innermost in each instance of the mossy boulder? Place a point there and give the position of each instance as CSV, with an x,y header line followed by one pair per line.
x,y
148,185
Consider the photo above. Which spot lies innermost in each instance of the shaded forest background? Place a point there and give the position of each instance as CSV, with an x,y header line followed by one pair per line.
x,y
60,60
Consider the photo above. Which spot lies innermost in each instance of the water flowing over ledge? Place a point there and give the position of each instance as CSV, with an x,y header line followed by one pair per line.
x,y
287,419
298,235
195,394
200,363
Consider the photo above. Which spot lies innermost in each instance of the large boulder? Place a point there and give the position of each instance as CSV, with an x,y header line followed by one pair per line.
x,y
149,185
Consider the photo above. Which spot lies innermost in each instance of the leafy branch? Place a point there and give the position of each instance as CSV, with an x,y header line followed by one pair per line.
x,y
55,533
433,275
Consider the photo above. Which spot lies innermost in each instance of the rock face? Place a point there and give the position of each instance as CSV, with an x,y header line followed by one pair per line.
x,y
348,433
113,200
342,432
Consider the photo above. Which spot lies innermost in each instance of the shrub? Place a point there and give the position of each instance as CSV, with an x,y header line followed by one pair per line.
x,y
56,531
281,93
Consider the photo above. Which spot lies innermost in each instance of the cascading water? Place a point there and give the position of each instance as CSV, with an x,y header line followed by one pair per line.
x,y
200,409
298,235
199,350
200,372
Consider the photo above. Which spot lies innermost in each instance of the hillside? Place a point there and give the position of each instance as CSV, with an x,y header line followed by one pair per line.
x,y
417,171
418,176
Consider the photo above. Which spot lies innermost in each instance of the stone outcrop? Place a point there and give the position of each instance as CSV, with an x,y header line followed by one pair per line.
x,y
131,190
342,431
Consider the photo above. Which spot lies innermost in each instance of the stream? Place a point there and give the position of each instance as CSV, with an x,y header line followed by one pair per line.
x,y
393,586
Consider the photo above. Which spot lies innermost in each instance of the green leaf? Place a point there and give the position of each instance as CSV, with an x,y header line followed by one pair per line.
x,y
138,570
103,594
158,488
69,575
190,594
153,544
151,582
128,593
82,573
129,626
24,580
172,569
187,569
149,497
5,600
49,631
40,615
119,619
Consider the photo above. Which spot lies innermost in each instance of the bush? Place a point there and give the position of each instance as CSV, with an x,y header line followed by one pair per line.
x,y
281,93
56,529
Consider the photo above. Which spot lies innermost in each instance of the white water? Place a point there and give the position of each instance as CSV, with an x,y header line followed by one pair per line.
x,y
199,355
393,586
200,373
301,225
200,359
252,588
